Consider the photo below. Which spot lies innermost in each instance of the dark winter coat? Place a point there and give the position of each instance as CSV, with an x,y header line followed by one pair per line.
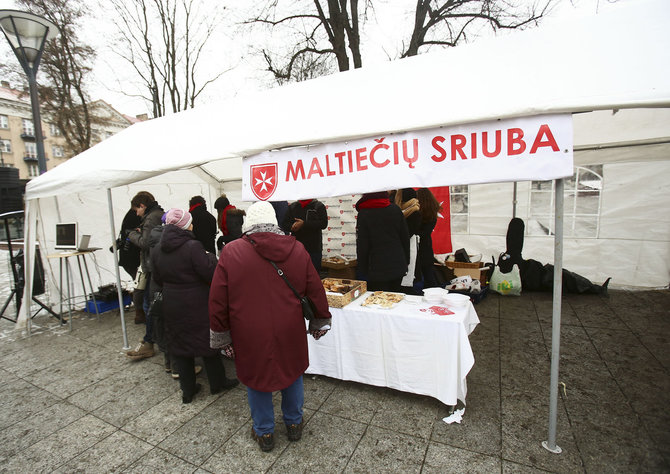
x,y
250,304
151,218
154,241
184,270
280,208
425,255
204,227
310,233
234,222
129,254
382,243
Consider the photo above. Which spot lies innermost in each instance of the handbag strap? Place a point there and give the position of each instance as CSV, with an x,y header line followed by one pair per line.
x,y
280,272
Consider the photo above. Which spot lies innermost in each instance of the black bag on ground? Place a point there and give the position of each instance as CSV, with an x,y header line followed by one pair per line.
x,y
514,240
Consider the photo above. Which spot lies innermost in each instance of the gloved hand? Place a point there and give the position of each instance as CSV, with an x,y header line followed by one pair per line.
x,y
318,333
228,351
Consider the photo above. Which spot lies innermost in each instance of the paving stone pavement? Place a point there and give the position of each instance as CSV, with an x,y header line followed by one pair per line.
x,y
72,402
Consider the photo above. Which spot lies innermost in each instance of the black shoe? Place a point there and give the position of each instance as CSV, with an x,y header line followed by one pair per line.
x,y
294,431
227,385
266,441
189,398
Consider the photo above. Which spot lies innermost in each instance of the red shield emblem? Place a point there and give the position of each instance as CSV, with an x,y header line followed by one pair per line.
x,y
264,180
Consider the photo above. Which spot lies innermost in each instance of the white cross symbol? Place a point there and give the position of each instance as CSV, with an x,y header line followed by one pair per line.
x,y
439,214
264,181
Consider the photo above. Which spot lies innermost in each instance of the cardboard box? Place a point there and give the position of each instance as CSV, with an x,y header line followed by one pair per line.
x,y
477,270
346,270
339,300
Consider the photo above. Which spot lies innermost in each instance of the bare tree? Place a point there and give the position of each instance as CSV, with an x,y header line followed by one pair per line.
x,y
332,28
446,23
163,41
323,29
66,63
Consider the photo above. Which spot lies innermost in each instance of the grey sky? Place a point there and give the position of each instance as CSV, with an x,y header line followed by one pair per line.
x,y
232,47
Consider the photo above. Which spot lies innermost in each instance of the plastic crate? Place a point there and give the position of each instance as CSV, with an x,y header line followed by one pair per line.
x,y
104,306
474,297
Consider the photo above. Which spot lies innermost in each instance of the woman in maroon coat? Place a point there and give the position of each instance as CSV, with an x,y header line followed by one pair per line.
x,y
257,319
184,270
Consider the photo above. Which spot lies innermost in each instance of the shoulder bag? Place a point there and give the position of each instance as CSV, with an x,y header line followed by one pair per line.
x,y
308,309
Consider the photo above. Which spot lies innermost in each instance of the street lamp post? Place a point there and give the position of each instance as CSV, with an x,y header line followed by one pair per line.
x,y
27,34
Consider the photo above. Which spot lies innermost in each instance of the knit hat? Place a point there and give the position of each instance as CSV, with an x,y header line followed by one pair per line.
x,y
178,217
260,212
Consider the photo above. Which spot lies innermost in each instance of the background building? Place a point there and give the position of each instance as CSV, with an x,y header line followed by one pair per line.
x,y
18,148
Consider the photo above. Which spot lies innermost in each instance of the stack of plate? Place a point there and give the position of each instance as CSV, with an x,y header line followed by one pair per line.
x,y
435,295
456,300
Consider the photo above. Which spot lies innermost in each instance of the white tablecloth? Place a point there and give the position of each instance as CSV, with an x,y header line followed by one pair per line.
x,y
401,348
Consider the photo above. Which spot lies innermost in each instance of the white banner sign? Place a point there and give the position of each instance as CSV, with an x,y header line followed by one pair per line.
x,y
529,148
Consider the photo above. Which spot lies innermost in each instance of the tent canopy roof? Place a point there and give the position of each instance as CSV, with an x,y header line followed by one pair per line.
x,y
615,60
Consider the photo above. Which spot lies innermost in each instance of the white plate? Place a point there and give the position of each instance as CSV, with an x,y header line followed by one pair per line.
x,y
434,295
456,299
378,306
413,299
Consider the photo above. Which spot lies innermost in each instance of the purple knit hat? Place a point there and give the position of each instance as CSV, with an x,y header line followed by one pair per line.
x,y
178,217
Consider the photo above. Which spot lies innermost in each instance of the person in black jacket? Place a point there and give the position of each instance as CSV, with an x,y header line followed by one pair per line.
x,y
382,242
184,270
406,200
305,219
129,255
129,259
429,207
145,206
408,203
229,220
204,223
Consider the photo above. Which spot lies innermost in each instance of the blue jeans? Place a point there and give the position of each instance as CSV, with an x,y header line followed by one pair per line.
x,y
146,304
262,411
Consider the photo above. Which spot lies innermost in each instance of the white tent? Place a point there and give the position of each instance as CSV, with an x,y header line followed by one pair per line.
x,y
618,60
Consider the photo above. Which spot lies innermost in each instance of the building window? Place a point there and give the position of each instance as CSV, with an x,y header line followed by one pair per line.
x,y
31,150
57,151
4,122
581,206
5,146
55,131
459,198
33,170
28,127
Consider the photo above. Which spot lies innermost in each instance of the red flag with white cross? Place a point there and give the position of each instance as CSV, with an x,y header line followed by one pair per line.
x,y
442,232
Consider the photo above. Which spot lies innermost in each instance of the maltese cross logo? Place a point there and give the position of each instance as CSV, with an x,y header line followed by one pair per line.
x,y
264,180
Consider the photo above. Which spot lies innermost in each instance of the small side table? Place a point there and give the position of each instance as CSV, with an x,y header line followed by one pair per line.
x,y
63,257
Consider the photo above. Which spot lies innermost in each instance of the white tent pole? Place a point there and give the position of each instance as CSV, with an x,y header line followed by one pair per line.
x,y
29,235
514,201
116,266
550,444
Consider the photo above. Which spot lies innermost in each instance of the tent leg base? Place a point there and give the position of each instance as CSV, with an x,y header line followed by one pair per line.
x,y
556,450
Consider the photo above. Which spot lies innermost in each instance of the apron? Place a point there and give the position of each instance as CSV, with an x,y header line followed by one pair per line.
x,y
408,280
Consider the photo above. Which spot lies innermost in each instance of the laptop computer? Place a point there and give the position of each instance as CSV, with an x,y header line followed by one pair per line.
x,y
66,236
84,242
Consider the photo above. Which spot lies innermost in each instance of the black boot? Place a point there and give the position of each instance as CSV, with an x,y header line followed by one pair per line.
x,y
188,398
216,373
